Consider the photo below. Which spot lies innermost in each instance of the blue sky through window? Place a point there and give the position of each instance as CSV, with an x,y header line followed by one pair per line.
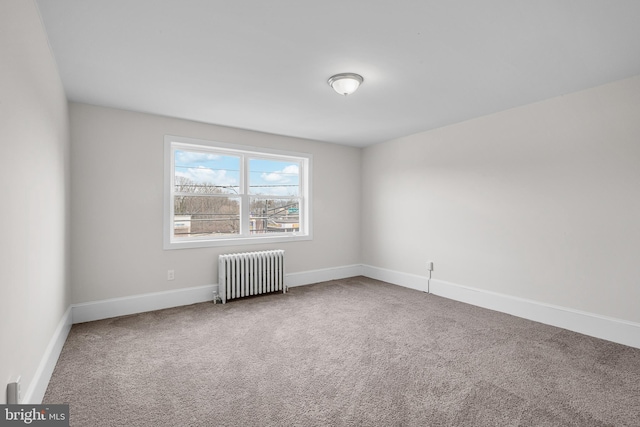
x,y
209,169
271,177
266,177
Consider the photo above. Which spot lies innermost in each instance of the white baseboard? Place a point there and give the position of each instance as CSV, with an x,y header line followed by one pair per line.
x,y
407,280
322,275
38,386
595,325
104,309
611,329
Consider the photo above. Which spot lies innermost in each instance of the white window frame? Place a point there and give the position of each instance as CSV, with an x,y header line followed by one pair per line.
x,y
172,143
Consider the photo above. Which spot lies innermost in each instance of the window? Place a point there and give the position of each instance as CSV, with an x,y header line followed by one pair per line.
x,y
223,194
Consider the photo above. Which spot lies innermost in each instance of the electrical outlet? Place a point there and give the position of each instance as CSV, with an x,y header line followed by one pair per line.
x,y
430,265
171,274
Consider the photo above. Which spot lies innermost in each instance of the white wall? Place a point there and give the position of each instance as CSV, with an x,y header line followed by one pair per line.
x,y
117,169
34,290
539,202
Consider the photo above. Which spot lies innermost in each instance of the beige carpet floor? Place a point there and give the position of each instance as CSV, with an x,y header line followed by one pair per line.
x,y
353,352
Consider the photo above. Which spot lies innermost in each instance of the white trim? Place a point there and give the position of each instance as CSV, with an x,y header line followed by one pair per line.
x,y
197,143
113,307
104,309
239,241
322,275
595,325
608,328
407,280
38,386
305,160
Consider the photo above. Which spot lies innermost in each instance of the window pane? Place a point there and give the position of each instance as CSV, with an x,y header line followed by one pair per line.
x,y
197,216
274,178
216,193
274,216
206,173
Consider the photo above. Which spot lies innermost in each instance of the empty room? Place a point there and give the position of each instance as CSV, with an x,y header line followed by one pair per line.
x,y
413,213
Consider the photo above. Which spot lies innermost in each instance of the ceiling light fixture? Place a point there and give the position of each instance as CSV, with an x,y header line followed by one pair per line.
x,y
345,83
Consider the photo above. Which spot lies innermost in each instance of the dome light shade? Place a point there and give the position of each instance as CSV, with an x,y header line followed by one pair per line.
x,y
345,83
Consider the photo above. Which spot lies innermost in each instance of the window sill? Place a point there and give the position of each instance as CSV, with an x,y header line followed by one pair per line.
x,y
236,241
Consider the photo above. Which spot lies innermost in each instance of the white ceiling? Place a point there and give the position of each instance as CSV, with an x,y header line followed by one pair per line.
x,y
264,65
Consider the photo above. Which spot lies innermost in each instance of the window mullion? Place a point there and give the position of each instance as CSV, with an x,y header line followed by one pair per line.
x,y
222,173
245,204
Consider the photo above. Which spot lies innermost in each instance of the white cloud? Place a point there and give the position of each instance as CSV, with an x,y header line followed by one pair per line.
x,y
279,191
202,174
187,157
281,177
292,169
275,177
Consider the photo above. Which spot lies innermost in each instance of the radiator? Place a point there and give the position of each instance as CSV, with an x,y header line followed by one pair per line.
x,y
250,273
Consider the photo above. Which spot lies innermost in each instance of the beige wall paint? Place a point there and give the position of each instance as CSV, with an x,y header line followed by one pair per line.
x,y
539,202
117,170
34,285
